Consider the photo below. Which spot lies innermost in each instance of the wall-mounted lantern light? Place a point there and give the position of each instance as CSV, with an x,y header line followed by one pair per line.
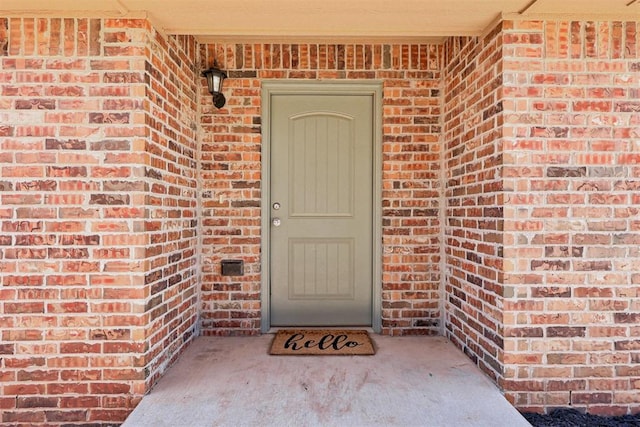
x,y
215,77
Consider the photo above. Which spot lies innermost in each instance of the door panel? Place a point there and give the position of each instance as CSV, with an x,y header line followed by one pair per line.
x,y
321,269
321,177
321,148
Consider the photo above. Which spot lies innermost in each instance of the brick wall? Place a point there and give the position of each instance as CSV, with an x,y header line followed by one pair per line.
x,y
541,287
231,167
97,189
572,214
122,189
473,193
172,223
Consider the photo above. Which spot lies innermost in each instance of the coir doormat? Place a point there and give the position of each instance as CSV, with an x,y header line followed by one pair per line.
x,y
318,342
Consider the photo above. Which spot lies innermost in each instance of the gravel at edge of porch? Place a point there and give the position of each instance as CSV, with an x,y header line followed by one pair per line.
x,y
574,418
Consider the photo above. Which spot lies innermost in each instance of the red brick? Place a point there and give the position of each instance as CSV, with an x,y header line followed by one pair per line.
x,y
37,402
23,417
592,398
110,388
593,294
24,389
524,162
69,263
113,415
66,416
79,348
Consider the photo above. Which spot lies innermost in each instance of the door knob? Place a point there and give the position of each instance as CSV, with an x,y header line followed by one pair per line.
x,y
276,222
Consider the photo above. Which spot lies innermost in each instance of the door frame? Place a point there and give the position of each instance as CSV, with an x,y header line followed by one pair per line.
x,y
371,88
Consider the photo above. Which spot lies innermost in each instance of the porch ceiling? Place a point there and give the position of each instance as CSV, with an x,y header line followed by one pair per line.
x,y
325,19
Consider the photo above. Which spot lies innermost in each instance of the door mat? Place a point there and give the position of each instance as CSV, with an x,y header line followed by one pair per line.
x,y
319,342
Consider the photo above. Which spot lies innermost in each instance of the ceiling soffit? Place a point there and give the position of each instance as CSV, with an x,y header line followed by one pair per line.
x,y
327,20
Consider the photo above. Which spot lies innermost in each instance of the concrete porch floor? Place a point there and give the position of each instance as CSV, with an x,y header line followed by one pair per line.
x,y
411,381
